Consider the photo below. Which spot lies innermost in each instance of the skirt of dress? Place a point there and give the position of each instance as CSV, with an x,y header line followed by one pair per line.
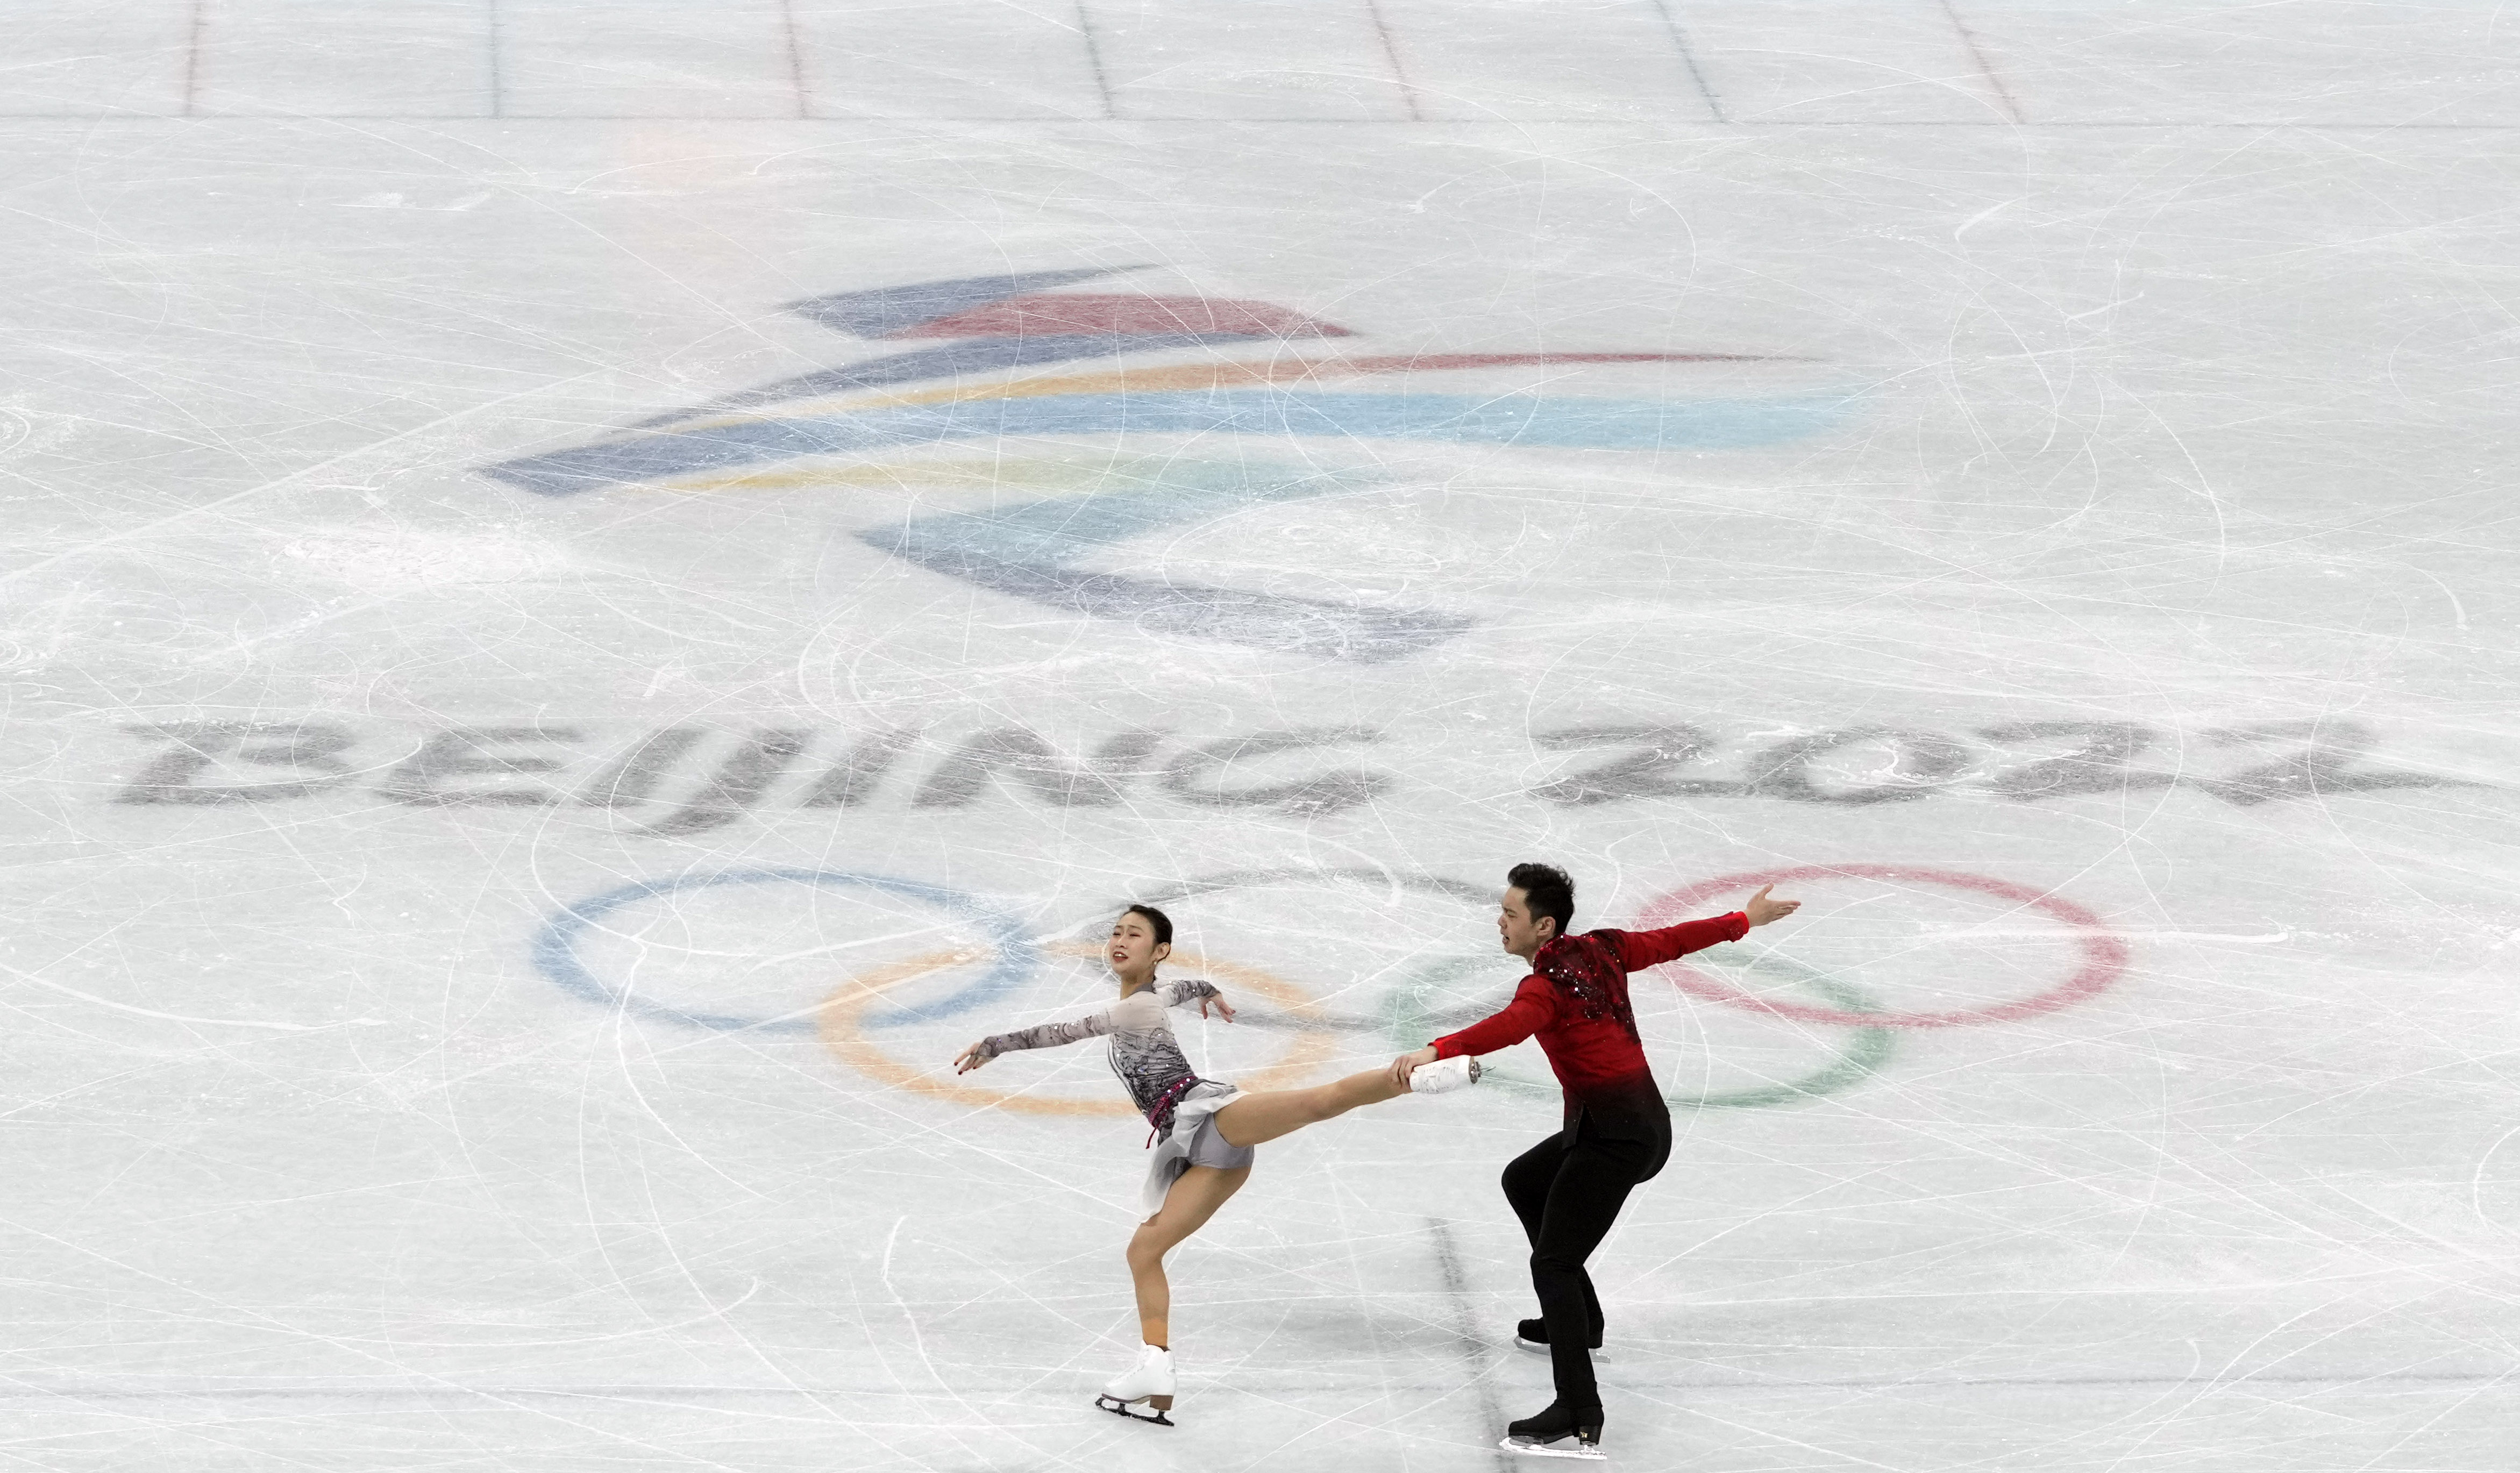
x,y
1194,1142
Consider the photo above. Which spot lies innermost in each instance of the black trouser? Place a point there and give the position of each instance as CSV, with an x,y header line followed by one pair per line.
x,y
1568,1190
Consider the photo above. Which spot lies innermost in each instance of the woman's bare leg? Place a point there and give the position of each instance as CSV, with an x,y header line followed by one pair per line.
x,y
1194,1196
1252,1118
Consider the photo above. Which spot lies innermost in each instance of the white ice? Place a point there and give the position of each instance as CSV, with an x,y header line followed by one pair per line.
x,y
482,963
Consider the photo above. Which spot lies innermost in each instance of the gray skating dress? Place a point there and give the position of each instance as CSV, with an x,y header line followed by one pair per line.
x,y
1149,1059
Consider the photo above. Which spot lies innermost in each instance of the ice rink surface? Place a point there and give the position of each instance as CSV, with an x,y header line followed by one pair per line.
x,y
593,589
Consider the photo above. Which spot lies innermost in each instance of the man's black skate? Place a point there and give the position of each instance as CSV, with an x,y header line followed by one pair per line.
x,y
1533,1335
1539,1435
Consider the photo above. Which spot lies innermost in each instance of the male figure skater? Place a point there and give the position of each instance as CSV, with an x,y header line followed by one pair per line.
x,y
1569,1187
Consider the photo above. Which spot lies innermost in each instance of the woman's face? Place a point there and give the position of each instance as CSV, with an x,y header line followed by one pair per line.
x,y
1134,949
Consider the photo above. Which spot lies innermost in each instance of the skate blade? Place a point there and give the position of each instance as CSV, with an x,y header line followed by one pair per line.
x,y
1540,1347
1119,1407
1583,1450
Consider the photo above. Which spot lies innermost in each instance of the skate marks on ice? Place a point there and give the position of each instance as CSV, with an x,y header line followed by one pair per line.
x,y
1478,1352
687,779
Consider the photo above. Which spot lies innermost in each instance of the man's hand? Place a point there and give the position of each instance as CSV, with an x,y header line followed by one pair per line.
x,y
1224,1009
1410,1063
1761,910
971,1058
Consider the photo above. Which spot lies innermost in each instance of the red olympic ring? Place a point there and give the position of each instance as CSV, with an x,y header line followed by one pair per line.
x,y
2104,952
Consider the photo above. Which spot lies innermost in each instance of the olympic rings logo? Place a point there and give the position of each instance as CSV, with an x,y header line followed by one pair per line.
x,y
2103,952
861,1006
556,950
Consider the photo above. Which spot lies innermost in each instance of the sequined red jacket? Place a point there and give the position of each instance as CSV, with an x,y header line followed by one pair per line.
x,y
1575,1002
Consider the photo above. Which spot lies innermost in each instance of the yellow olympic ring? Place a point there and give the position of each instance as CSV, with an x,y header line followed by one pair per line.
x,y
841,1013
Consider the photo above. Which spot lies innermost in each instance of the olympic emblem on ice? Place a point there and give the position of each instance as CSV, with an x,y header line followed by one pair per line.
x,y
1003,324
869,1021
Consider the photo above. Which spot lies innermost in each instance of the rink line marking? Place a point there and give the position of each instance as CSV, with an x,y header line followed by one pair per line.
x,y
1689,59
193,55
2275,125
795,59
842,1032
1986,68
1093,58
1465,1330
97,117
1391,54
496,44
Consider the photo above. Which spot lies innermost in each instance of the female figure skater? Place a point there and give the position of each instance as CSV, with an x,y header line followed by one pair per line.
x,y
1206,1128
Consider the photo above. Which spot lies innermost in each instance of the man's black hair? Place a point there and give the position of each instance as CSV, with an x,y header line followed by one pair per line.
x,y
1546,890
1162,922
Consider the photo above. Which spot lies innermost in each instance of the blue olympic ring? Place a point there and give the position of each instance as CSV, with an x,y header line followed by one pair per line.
x,y
555,949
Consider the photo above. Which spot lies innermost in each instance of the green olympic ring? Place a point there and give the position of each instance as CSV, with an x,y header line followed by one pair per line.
x,y
1410,1021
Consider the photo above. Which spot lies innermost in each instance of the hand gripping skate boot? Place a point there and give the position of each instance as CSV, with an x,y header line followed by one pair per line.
x,y
1143,1393
1444,1074
1580,1430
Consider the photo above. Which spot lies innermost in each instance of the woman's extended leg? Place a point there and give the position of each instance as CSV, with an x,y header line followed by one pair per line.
x,y
1195,1196
1252,1118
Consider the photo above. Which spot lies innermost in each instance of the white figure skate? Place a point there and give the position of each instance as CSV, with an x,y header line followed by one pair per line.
x,y
1444,1074
1147,1385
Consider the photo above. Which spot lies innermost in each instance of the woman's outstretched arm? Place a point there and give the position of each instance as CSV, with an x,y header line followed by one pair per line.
x,y
1038,1036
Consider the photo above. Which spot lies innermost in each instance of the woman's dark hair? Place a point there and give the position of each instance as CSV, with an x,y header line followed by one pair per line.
x,y
1162,922
1546,890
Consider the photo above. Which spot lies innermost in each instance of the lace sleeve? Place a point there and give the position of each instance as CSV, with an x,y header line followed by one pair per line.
x,y
1047,1035
1191,991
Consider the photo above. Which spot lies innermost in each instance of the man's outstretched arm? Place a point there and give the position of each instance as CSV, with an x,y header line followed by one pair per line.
x,y
1534,1007
1644,949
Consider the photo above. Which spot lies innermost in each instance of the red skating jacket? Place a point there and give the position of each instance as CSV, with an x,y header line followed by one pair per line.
x,y
1576,1003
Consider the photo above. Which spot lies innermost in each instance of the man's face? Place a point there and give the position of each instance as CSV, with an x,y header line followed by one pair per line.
x,y
1134,949
1523,935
